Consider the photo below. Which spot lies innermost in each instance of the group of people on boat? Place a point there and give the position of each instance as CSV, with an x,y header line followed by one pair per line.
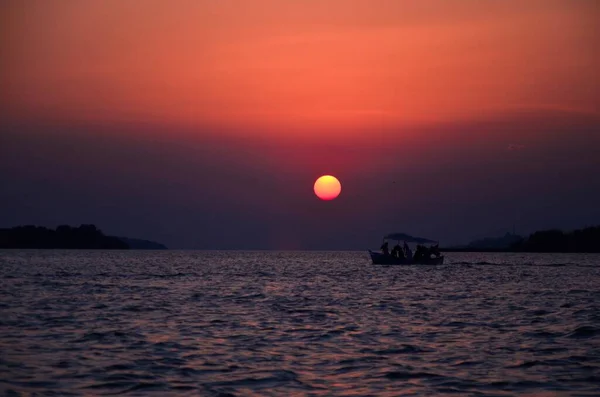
x,y
404,252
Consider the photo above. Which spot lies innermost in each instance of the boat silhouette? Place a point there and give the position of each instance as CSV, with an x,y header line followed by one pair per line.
x,y
426,253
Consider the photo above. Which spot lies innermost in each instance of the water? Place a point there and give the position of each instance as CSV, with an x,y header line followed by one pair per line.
x,y
297,323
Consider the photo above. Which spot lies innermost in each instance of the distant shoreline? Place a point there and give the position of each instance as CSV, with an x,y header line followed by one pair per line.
x,y
499,250
581,241
84,237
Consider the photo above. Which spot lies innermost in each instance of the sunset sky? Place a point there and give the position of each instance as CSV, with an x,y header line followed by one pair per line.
x,y
204,124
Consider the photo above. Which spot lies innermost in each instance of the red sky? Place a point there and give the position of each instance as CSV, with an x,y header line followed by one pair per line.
x,y
297,64
412,93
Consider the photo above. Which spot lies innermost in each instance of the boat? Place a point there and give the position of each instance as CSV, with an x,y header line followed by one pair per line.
x,y
432,256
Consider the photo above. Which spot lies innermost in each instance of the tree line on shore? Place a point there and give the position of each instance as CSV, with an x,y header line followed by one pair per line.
x,y
582,240
554,240
68,237
90,237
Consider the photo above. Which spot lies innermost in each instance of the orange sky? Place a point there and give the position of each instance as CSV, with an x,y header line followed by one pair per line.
x,y
287,65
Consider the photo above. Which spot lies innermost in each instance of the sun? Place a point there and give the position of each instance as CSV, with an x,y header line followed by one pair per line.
x,y
327,187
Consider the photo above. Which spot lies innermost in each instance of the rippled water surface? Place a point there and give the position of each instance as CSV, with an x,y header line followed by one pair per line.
x,y
297,323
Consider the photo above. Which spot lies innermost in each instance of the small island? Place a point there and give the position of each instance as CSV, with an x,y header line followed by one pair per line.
x,y
68,237
585,240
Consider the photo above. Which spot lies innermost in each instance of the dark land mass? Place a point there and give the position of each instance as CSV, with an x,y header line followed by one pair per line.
x,y
508,240
490,244
67,237
138,244
90,237
583,240
474,249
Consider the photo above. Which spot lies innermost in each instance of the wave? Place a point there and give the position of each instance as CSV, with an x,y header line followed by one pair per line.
x,y
277,378
521,264
535,363
405,375
171,275
584,332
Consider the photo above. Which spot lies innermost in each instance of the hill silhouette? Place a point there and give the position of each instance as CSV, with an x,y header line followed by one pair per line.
x,y
503,242
68,237
581,240
139,244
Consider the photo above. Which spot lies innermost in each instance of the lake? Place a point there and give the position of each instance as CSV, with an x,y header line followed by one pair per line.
x,y
234,323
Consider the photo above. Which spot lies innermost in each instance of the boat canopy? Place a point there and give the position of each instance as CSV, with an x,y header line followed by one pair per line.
x,y
408,238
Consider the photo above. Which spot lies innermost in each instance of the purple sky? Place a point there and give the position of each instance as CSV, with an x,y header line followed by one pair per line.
x,y
190,190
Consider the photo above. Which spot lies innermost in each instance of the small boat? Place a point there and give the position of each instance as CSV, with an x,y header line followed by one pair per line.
x,y
423,256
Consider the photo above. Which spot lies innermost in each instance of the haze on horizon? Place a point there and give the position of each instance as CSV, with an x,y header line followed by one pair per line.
x,y
204,124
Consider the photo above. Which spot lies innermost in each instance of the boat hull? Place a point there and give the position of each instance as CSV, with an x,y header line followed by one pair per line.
x,y
381,259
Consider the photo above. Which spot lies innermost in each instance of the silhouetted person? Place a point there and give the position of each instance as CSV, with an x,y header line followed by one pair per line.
x,y
384,248
407,252
397,251
435,250
419,254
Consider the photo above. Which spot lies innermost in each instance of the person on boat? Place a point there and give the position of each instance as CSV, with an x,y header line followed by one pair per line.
x,y
407,251
401,254
384,248
424,252
419,252
397,251
435,250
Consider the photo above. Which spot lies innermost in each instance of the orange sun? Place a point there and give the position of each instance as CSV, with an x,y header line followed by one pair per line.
x,y
327,187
